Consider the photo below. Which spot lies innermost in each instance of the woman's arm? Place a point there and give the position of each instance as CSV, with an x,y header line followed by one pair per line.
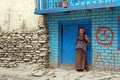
x,y
87,39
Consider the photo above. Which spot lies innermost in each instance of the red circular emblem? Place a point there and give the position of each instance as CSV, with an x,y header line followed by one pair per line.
x,y
104,36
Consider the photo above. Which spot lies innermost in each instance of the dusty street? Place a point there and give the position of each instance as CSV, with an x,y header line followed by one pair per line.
x,y
32,72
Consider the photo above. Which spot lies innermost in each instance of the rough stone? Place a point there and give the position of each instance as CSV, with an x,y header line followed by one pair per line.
x,y
36,57
38,73
24,47
26,60
43,54
115,79
58,78
28,55
60,73
44,79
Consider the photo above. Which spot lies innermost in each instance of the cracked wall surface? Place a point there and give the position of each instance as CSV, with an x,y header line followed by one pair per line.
x,y
14,12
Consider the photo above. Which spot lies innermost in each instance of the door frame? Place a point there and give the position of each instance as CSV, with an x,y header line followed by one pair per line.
x,y
66,22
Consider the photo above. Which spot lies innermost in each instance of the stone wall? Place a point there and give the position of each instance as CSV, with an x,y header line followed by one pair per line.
x,y
24,47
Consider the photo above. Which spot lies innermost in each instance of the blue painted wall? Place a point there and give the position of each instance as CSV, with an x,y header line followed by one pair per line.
x,y
100,17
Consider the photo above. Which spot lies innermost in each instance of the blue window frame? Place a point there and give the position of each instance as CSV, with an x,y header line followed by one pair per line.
x,y
119,33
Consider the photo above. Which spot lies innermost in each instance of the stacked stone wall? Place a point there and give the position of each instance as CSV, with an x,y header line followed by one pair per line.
x,y
24,47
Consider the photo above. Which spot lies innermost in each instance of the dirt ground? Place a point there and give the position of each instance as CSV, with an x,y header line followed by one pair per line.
x,y
33,72
19,73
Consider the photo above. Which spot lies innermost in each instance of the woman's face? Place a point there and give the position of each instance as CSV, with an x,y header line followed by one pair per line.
x,y
81,31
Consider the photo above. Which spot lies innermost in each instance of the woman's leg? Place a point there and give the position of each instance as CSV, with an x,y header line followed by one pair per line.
x,y
86,62
80,60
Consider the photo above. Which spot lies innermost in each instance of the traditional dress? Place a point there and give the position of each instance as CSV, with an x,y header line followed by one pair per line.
x,y
81,55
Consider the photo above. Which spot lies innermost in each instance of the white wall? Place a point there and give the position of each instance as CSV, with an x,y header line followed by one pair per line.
x,y
14,12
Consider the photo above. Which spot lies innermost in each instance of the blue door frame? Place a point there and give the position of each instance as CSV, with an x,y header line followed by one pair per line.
x,y
74,22
119,33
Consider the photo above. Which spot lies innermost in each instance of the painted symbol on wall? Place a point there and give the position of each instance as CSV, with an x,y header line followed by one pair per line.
x,y
104,36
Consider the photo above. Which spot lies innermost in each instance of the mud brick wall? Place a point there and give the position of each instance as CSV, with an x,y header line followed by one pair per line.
x,y
24,47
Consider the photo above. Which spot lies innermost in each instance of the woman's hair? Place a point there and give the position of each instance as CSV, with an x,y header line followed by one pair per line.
x,y
82,28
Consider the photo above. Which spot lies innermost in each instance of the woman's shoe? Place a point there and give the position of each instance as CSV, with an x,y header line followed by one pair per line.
x,y
87,69
79,70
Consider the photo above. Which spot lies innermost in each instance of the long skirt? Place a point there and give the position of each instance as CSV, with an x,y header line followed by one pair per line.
x,y
81,59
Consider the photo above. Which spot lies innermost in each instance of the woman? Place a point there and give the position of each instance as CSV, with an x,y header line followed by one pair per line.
x,y
81,53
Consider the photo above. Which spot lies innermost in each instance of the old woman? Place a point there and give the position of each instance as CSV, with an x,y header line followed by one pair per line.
x,y
81,52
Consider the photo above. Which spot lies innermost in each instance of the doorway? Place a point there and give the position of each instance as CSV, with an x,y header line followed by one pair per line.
x,y
68,34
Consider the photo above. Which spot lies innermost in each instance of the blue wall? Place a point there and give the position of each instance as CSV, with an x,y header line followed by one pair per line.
x,y
100,17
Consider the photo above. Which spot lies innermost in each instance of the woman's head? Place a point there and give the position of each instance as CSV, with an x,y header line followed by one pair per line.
x,y
81,31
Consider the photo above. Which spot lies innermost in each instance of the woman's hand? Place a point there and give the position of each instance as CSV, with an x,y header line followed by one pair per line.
x,y
87,39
